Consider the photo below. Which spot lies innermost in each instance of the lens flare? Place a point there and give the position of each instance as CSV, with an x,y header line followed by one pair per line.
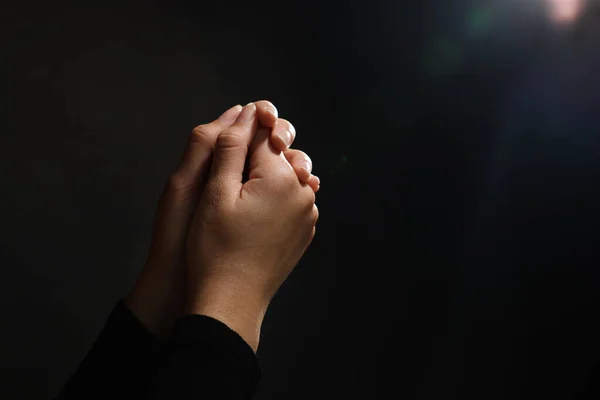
x,y
565,11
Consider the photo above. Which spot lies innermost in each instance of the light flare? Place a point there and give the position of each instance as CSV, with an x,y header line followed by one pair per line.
x,y
565,12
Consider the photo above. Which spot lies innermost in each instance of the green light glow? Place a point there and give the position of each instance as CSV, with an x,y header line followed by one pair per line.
x,y
478,21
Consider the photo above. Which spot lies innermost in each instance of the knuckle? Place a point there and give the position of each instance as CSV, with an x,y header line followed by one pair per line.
x,y
202,134
229,139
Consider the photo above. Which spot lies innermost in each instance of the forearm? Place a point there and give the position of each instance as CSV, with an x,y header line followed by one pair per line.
x,y
120,362
208,360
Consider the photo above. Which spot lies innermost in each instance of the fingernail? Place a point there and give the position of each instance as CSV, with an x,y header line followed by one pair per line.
x,y
231,114
285,136
272,110
318,180
306,165
247,113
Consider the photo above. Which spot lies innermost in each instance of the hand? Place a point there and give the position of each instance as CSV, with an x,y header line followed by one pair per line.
x,y
157,298
246,238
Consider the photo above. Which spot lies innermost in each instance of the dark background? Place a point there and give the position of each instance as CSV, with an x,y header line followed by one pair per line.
x,y
457,143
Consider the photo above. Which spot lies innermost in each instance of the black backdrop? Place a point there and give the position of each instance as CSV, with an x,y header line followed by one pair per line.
x,y
457,144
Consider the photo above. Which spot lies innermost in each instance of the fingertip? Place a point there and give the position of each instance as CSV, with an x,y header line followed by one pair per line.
x,y
231,114
303,174
278,142
314,182
286,131
248,113
267,113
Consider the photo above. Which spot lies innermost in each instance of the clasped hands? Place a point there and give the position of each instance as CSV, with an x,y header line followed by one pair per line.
x,y
234,219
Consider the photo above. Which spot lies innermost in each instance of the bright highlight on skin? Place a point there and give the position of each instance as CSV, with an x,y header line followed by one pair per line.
x,y
565,11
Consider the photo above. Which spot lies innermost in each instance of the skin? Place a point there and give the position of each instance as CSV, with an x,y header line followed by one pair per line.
x,y
158,297
246,237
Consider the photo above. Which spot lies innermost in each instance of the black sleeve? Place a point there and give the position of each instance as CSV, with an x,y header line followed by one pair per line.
x,y
120,363
206,360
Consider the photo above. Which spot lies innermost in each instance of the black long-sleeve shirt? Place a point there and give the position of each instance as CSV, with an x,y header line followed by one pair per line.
x,y
204,359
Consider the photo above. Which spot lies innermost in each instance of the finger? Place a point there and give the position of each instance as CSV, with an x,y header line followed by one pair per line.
x,y
314,182
264,159
178,200
301,163
231,149
266,113
194,163
283,134
311,181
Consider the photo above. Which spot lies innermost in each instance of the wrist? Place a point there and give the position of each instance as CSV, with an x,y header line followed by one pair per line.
x,y
237,309
155,299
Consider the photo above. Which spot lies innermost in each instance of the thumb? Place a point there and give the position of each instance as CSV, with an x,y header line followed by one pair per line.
x,y
264,158
231,149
